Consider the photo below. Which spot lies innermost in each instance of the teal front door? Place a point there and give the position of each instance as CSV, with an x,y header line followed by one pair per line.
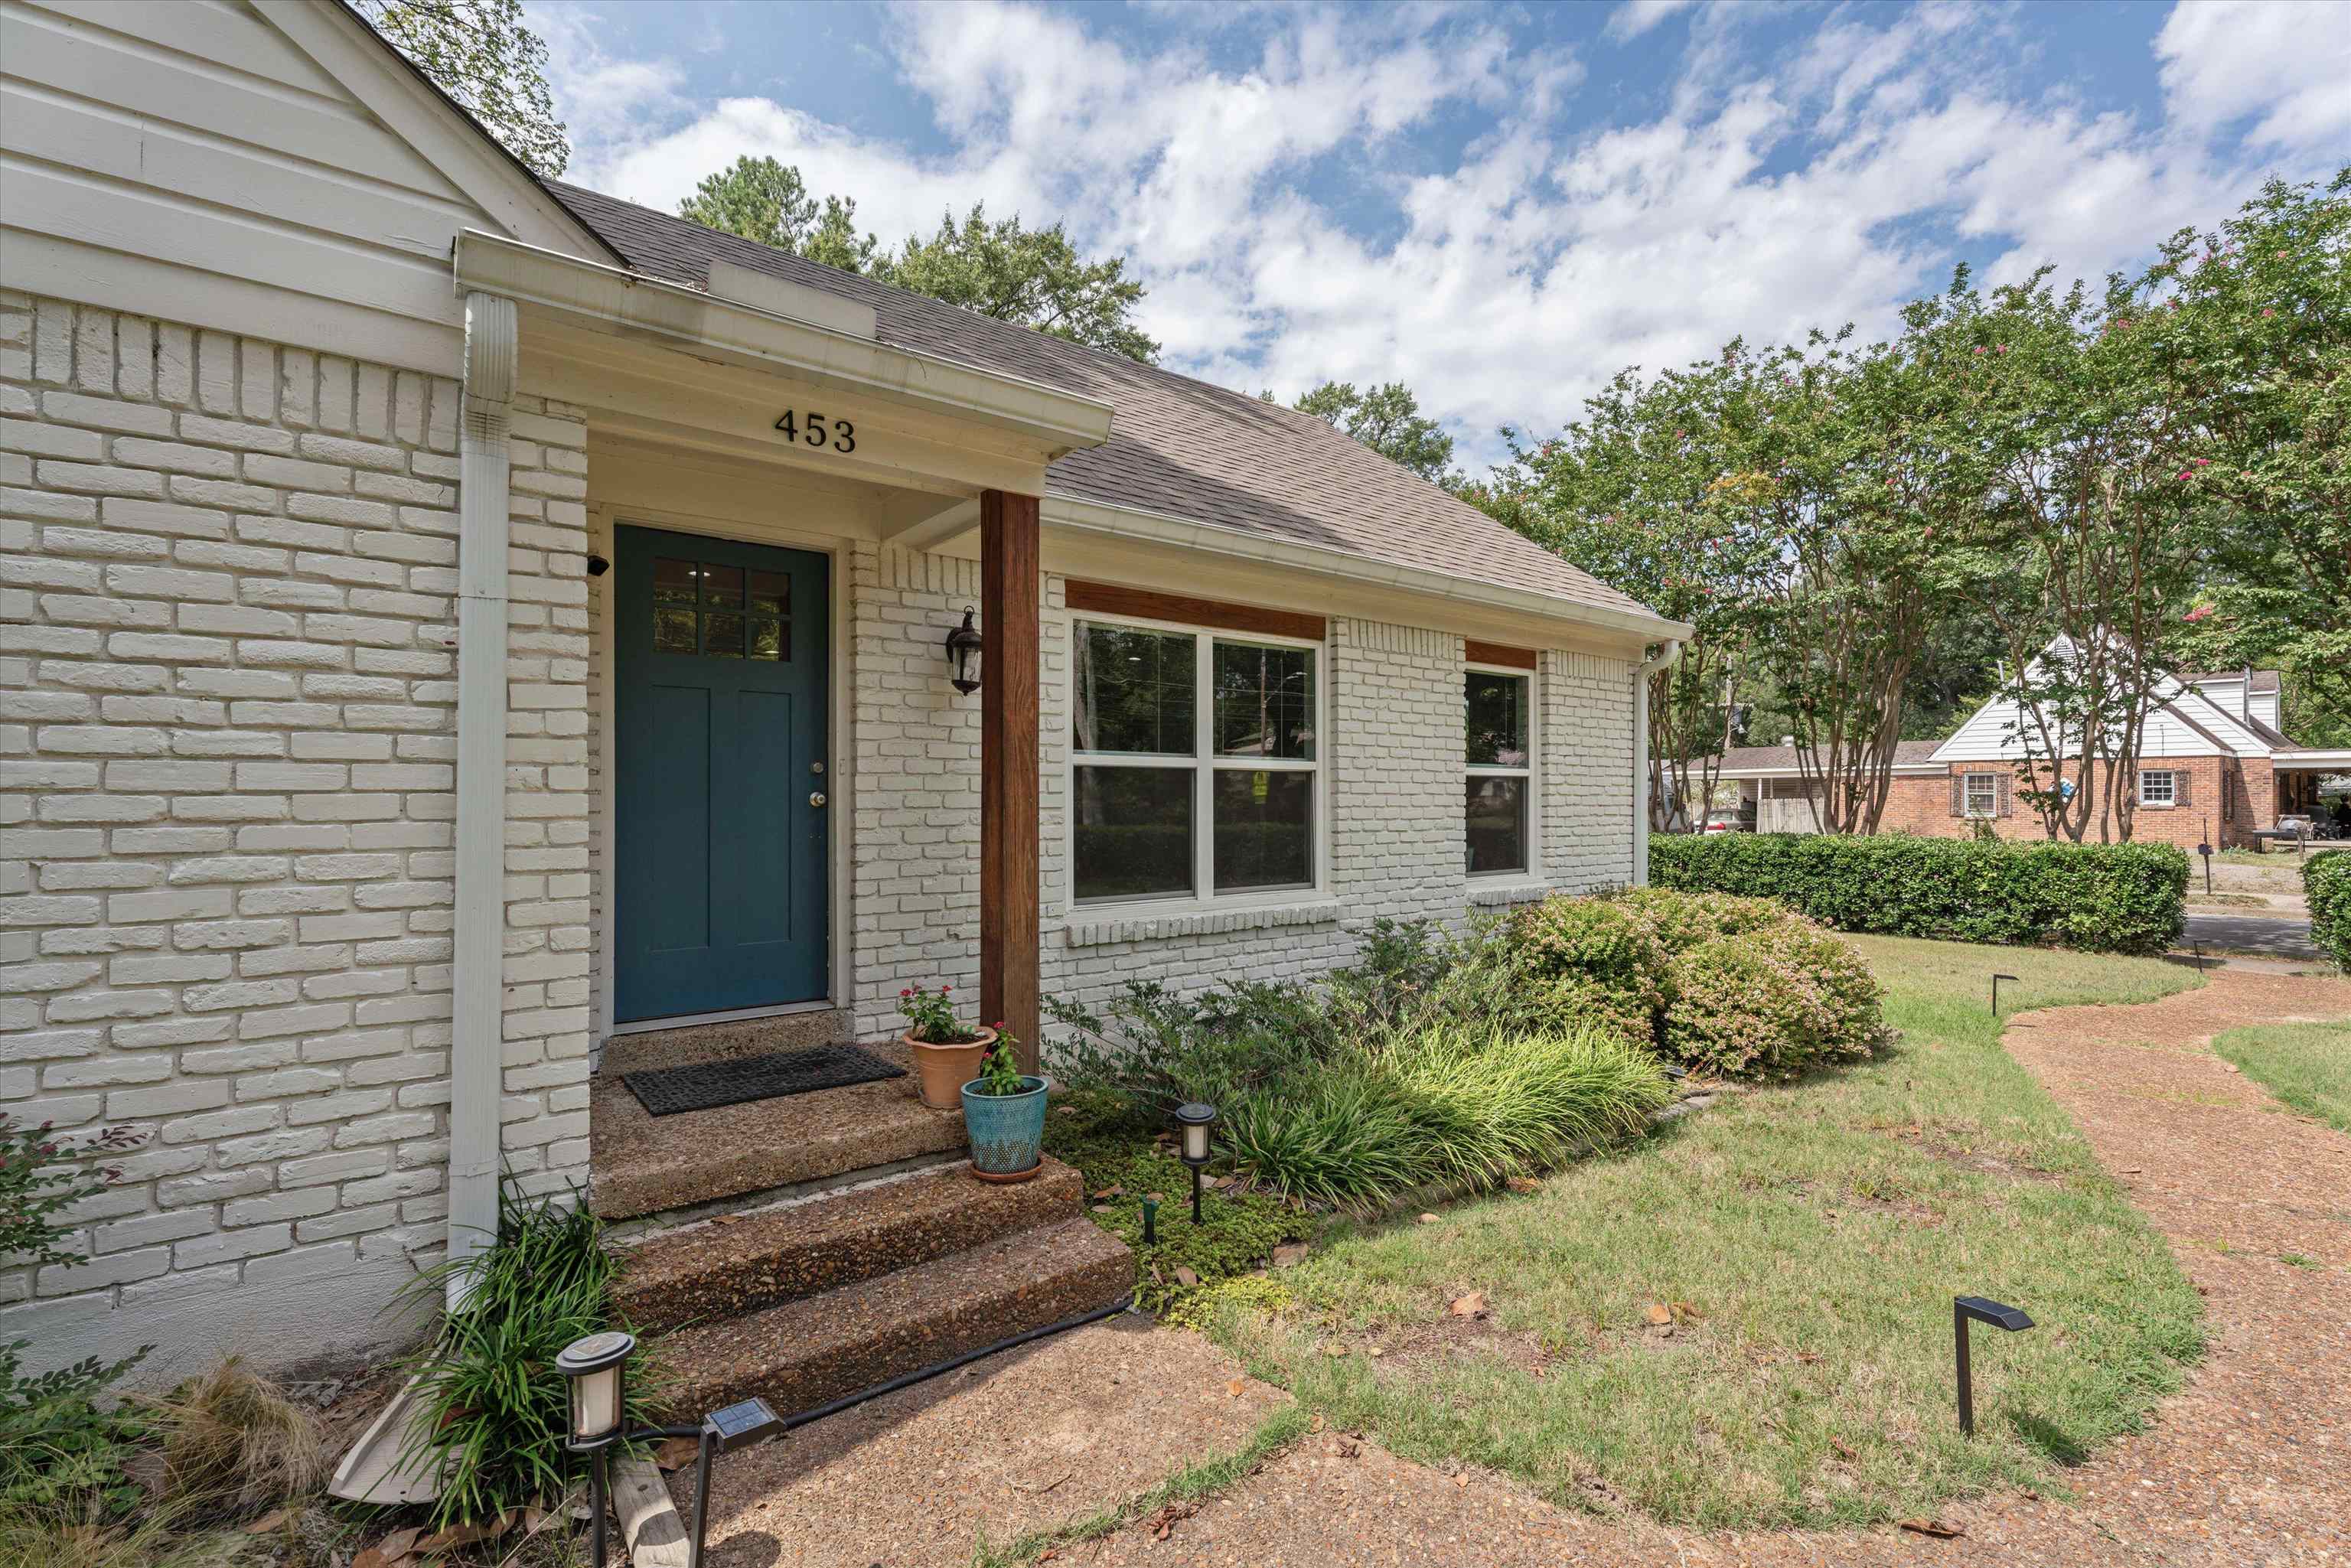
x,y
720,782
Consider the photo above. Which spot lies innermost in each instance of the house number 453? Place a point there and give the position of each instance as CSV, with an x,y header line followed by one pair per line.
x,y
814,429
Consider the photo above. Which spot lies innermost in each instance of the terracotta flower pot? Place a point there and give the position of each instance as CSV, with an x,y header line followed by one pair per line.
x,y
942,1070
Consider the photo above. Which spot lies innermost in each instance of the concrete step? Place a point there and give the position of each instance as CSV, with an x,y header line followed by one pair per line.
x,y
809,1352
641,1163
714,1041
728,1265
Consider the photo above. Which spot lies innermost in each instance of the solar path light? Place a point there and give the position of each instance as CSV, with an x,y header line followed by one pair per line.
x,y
1192,1120
1982,1310
597,1368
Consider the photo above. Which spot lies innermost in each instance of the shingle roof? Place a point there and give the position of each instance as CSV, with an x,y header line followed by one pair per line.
x,y
2265,681
1178,447
1771,758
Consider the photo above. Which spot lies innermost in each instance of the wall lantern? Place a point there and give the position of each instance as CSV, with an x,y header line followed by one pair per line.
x,y
1192,1120
597,1368
962,652
1981,1309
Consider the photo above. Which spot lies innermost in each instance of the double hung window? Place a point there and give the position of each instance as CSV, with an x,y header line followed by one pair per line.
x,y
1195,768
1983,794
2160,787
1500,786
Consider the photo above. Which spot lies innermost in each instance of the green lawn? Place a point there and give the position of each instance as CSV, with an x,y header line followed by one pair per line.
x,y
1813,1235
2306,1065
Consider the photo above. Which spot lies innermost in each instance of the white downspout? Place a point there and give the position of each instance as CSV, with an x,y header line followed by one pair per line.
x,y
1667,657
476,1048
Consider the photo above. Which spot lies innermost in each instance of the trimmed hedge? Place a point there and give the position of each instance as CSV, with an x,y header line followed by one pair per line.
x,y
2326,885
1771,1003
2099,898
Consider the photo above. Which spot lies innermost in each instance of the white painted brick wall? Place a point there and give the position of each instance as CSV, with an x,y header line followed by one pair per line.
x,y
1394,783
226,743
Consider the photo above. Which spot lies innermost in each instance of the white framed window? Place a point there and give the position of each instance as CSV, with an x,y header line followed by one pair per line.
x,y
2160,787
1499,795
1982,798
1196,768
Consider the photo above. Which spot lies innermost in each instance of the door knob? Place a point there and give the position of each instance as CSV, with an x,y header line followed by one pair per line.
x,y
816,797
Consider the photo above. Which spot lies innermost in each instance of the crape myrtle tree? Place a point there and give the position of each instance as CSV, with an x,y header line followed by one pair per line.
x,y
1857,475
1631,493
2093,536
2256,328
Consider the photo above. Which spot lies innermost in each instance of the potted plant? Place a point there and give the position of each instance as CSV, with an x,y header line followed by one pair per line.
x,y
947,1054
1004,1115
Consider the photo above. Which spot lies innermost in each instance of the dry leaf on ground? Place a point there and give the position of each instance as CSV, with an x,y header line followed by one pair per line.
x,y
1163,1523
1523,1185
1844,1451
1934,1527
1290,1253
1237,1387
1429,1219
1657,1312
1185,1276
267,1521
1472,1305
677,1453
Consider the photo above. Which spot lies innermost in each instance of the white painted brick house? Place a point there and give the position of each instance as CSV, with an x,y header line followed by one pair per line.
x,y
449,623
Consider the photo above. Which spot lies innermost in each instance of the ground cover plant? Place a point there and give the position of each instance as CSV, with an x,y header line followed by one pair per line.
x,y
1435,1064
1744,1322
2306,1065
2098,898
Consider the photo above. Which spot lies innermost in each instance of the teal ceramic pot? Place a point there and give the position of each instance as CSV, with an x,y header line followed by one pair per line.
x,y
1007,1131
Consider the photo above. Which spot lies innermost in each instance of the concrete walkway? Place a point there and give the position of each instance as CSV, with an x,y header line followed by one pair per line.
x,y
2249,1465
2270,935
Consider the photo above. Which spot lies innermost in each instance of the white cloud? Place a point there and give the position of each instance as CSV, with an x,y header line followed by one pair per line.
x,y
1774,194
1634,17
2287,64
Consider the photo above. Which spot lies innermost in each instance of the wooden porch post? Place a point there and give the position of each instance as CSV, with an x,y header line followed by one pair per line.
x,y
1008,907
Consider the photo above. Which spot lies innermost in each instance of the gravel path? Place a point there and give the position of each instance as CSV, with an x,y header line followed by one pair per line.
x,y
2248,1467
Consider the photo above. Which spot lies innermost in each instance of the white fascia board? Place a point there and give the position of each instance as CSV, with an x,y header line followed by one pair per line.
x,y
1134,522
2313,761
691,322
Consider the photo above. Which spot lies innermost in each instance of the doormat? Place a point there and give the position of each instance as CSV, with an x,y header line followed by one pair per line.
x,y
708,1086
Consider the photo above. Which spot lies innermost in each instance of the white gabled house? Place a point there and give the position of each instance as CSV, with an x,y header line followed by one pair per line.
x,y
463,638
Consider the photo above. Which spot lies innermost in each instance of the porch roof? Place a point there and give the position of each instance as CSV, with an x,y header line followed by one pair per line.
x,y
1178,448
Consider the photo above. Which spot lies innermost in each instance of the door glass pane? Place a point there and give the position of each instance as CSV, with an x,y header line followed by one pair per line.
x,y
1498,825
674,581
722,634
767,639
1265,828
1135,691
1265,701
1133,832
1497,719
674,632
722,585
771,592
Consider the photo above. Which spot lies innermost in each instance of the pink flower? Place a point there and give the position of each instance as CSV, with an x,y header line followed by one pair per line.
x,y
2267,314
2188,473
1977,349
2001,350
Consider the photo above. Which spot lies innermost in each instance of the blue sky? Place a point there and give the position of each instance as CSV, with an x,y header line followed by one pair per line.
x,y
1501,206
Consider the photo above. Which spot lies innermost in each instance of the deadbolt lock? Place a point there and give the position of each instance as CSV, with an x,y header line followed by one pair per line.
x,y
816,766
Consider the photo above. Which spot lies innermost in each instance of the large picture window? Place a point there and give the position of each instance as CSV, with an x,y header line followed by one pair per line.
x,y
1194,769
1501,786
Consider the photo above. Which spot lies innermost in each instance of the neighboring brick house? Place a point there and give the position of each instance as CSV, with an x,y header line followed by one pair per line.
x,y
2213,760
456,631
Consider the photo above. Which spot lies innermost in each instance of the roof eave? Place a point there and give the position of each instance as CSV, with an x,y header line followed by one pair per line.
x,y
618,299
1134,522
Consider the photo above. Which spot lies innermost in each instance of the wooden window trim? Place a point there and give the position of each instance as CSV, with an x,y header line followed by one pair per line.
x,y
1142,604
1476,652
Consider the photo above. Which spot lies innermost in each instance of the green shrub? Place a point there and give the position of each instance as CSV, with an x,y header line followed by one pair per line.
x,y
2326,885
1600,959
1772,1003
2102,898
495,1409
1681,921
63,1442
